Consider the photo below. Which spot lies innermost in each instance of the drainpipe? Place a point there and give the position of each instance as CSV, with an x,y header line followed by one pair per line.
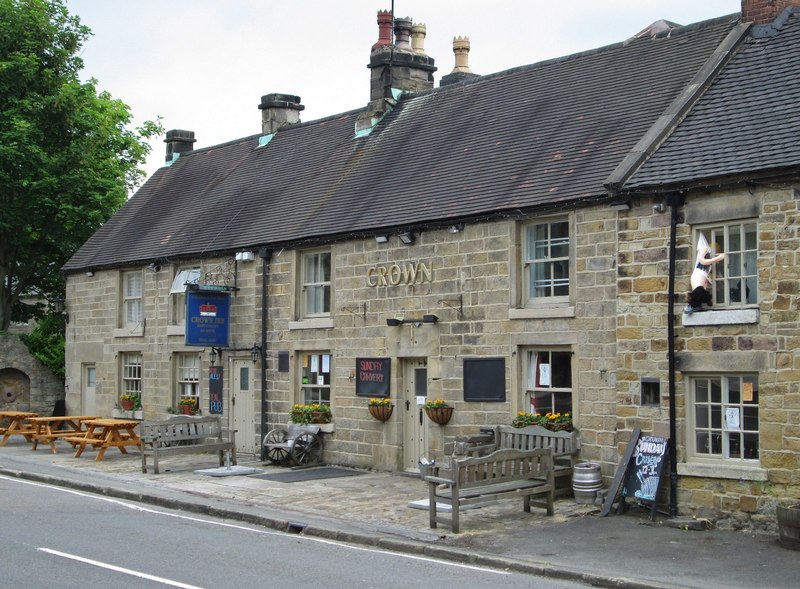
x,y
675,201
264,253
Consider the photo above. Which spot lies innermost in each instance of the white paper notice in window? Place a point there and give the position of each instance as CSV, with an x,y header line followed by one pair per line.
x,y
544,375
326,363
314,363
732,417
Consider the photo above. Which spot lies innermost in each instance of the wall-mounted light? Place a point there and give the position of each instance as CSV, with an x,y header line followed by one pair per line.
x,y
212,355
60,308
430,319
407,237
245,256
381,238
154,267
620,205
89,273
255,353
394,322
660,207
457,228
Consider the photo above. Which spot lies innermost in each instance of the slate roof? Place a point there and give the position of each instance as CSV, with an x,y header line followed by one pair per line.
x,y
543,136
746,126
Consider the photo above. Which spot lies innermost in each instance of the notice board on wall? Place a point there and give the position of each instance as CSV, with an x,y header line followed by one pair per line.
x,y
373,376
485,379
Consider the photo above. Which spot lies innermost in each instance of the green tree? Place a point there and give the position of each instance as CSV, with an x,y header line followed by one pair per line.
x,y
68,157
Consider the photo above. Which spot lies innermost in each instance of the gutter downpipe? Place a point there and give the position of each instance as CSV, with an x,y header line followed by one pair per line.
x,y
264,253
675,201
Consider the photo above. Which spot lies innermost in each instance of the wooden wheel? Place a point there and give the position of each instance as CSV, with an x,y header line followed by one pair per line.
x,y
275,443
307,449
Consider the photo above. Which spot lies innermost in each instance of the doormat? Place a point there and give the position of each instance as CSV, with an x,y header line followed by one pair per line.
x,y
308,474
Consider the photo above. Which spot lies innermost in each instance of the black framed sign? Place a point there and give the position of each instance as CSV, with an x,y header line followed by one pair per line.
x,y
485,379
372,377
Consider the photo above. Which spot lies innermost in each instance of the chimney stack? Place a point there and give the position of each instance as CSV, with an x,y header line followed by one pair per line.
x,y
178,141
761,12
278,111
461,71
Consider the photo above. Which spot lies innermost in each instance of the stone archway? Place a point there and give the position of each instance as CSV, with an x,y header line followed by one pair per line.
x,y
15,390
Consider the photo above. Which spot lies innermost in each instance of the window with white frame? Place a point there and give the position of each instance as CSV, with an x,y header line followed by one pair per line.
x,y
132,373
183,278
548,381
187,377
316,284
132,283
735,279
546,261
723,419
315,378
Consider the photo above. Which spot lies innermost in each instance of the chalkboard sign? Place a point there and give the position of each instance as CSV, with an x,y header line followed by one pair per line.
x,y
215,390
372,377
485,379
643,478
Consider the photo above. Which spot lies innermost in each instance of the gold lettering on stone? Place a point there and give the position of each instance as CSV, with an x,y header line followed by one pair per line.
x,y
397,274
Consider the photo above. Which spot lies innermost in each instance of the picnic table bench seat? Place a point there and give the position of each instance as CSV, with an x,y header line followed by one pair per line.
x,y
186,435
504,473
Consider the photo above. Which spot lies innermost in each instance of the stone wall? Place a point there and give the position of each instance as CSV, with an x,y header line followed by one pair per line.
x,y
25,383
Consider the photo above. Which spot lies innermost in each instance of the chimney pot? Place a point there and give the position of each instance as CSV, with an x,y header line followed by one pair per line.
x,y
178,141
384,29
461,51
418,32
279,110
402,32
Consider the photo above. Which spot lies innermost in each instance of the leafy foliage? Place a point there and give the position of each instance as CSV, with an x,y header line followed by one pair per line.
x,y
67,156
46,342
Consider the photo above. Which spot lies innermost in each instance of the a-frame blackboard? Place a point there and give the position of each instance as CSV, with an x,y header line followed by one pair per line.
x,y
621,470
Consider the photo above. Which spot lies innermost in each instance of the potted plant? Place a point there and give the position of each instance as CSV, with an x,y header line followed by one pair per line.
x,y
438,411
311,413
557,422
187,406
129,401
380,408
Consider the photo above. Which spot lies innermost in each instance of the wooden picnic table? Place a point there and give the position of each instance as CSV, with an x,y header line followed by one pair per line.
x,y
105,434
49,429
17,425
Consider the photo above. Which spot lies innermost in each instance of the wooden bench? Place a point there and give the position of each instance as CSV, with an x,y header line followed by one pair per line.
x,y
502,473
565,446
295,444
185,435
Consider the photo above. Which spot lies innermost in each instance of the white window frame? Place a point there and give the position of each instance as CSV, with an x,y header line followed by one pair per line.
x,y
537,385
546,254
739,265
187,377
131,297
708,418
315,286
131,373
313,366
183,277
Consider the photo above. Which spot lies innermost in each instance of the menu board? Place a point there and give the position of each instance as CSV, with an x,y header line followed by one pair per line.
x,y
643,478
373,376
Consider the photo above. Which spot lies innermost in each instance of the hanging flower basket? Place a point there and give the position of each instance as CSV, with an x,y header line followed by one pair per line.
x,y
440,415
381,412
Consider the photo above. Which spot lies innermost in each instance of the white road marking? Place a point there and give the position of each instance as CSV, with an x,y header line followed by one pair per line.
x,y
111,567
264,532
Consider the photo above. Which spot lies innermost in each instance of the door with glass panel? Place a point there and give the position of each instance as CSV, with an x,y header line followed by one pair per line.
x,y
414,390
243,406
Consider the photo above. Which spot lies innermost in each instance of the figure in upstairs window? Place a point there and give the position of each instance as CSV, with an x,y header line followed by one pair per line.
x,y
700,297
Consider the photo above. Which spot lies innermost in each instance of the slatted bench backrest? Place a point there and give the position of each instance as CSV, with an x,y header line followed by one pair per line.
x,y
503,466
182,429
535,436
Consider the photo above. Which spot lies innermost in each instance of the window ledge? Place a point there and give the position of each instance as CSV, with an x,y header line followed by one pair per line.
x,y
541,313
315,323
176,330
723,471
721,317
135,331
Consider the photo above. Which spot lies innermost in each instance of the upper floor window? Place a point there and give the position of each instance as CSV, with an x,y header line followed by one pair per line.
x,y
132,373
548,382
546,261
315,378
316,284
132,297
735,279
183,278
723,424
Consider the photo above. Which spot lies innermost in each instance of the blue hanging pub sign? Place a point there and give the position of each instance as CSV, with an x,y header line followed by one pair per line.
x,y
208,318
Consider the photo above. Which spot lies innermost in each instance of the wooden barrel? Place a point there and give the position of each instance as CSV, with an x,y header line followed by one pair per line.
x,y
789,525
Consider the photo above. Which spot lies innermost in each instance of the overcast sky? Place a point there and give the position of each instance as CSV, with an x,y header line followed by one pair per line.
x,y
203,65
